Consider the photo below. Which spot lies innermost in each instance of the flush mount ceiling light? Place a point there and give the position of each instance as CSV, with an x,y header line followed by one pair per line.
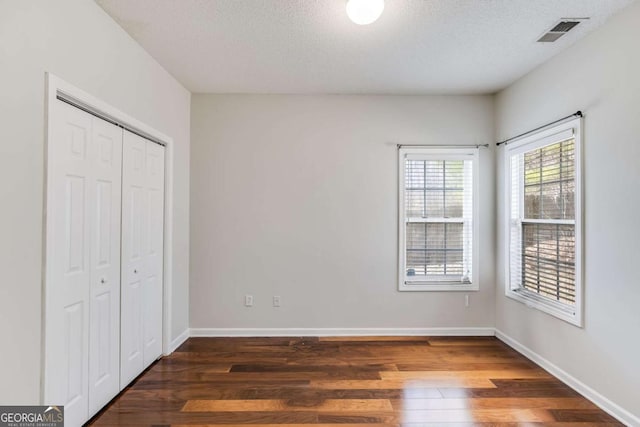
x,y
364,12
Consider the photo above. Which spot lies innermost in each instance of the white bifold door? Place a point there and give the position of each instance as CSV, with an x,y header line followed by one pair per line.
x,y
104,283
142,243
82,327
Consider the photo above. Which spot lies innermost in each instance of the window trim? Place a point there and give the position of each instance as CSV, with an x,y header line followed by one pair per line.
x,y
427,153
572,315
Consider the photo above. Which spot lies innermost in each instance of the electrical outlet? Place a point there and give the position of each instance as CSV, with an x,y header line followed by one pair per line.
x,y
276,301
466,300
248,300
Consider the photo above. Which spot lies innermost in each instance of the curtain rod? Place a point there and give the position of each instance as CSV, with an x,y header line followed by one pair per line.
x,y
443,146
506,141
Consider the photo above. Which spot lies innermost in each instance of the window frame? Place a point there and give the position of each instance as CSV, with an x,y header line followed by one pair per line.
x,y
571,314
427,153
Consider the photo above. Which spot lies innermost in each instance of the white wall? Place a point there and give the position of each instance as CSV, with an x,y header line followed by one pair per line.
x,y
297,196
80,43
599,75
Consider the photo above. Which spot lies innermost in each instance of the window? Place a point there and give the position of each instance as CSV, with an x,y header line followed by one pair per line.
x,y
544,227
438,219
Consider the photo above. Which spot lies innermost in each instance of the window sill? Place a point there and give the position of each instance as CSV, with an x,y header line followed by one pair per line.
x,y
568,314
437,287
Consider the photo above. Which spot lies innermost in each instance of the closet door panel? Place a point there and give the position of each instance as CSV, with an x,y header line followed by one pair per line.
x,y
134,242
104,335
70,165
104,260
154,253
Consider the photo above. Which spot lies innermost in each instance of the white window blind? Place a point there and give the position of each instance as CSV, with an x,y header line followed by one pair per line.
x,y
543,175
437,219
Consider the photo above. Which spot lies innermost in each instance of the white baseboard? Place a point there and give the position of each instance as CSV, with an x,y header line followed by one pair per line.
x,y
338,332
177,341
605,404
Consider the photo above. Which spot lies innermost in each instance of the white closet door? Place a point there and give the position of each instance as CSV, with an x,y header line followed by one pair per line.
x,y
134,238
70,165
153,268
104,331
104,260
82,346
142,254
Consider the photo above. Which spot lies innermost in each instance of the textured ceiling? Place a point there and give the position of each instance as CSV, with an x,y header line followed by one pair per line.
x,y
310,46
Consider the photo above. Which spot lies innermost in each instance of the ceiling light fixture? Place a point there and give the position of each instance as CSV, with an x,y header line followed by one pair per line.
x,y
364,12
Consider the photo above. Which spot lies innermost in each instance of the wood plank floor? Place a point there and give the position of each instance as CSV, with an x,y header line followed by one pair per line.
x,y
373,381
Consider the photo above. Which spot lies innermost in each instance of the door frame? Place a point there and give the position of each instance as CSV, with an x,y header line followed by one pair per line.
x,y
55,86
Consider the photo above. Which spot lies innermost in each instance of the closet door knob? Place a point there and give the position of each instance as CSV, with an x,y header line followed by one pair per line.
x,y
103,280
135,271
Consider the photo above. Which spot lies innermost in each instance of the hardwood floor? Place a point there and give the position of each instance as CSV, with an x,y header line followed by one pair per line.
x,y
374,381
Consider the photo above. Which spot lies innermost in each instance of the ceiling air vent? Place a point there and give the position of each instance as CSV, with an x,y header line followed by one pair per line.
x,y
560,29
